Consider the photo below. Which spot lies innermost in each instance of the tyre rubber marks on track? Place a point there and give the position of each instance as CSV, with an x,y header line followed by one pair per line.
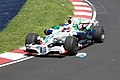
x,y
82,9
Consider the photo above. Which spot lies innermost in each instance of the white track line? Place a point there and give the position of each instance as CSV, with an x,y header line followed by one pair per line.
x,y
16,61
94,11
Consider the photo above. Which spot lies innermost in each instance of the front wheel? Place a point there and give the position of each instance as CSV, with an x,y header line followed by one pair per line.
x,y
71,45
31,38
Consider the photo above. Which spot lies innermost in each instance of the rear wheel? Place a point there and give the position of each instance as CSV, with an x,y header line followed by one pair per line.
x,y
71,45
31,38
99,35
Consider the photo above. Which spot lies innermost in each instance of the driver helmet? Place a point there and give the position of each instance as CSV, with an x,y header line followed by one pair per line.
x,y
66,28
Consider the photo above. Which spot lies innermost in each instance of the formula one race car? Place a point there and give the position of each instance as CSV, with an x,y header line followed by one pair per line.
x,y
67,38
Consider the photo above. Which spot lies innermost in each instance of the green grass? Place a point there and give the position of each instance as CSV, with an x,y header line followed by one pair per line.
x,y
35,16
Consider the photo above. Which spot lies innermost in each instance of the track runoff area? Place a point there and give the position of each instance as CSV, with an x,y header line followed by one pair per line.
x,y
82,9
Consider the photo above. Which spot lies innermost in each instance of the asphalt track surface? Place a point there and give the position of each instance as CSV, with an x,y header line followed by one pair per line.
x,y
102,62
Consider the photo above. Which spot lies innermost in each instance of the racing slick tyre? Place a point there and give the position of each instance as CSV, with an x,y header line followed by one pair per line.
x,y
99,35
31,38
71,45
